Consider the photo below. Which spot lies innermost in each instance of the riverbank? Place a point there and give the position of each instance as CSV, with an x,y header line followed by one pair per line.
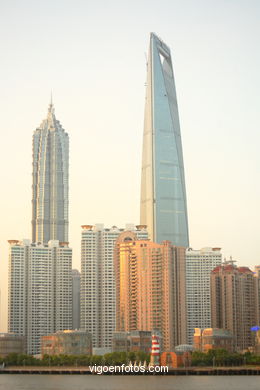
x,y
86,371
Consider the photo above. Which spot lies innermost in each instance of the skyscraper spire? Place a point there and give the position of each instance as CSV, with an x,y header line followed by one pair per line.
x,y
51,106
163,193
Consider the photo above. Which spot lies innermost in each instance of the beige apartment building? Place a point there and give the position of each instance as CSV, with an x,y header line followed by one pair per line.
x,y
150,288
233,302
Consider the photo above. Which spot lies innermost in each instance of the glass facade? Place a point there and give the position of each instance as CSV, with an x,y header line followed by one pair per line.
x,y
163,193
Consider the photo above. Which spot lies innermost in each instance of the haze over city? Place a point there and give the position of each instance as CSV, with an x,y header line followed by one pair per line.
x,y
92,56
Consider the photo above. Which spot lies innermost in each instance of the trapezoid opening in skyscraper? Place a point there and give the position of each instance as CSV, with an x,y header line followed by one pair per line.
x,y
163,192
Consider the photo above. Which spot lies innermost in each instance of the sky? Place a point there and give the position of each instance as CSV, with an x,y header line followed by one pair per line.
x,y
92,56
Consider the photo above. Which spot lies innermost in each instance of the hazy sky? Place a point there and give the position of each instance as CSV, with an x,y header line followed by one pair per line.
x,y
91,54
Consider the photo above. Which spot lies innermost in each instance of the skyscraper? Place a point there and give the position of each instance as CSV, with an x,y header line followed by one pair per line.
x,y
50,181
150,288
234,302
163,193
97,291
199,264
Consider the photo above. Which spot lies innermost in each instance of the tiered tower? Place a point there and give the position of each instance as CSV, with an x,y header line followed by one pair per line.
x,y
50,187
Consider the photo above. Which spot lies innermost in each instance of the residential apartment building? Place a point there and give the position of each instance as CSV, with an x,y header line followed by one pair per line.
x,y
150,288
97,301
257,293
40,290
199,264
233,302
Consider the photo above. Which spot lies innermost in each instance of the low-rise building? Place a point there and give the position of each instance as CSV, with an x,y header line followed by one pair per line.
x,y
132,341
176,359
213,338
11,343
67,342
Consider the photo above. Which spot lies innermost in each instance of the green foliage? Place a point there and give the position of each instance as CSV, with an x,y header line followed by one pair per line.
x,y
14,359
200,359
221,357
114,358
217,358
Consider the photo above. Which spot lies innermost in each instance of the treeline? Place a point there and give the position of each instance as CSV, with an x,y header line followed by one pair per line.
x,y
217,358
109,359
221,357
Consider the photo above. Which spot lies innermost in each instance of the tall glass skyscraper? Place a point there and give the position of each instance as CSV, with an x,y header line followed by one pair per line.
x,y
163,193
50,181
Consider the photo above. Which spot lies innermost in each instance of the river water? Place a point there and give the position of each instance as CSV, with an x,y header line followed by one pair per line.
x,y
95,382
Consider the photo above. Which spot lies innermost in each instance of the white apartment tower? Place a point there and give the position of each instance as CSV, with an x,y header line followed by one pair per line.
x,y
199,264
40,291
97,298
